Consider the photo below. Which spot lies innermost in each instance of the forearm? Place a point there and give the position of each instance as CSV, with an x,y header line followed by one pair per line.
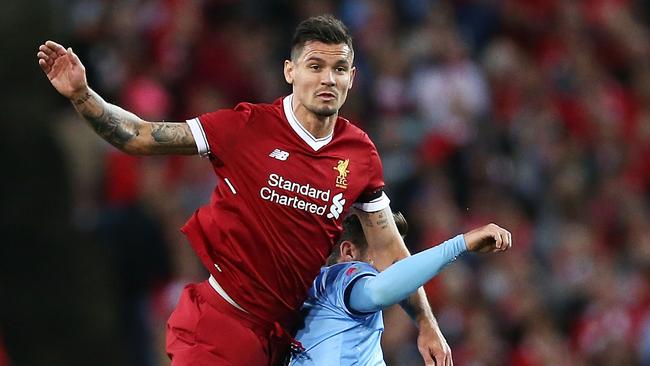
x,y
405,277
111,122
418,309
385,244
130,133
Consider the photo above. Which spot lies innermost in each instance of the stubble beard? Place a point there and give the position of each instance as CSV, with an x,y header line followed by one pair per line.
x,y
324,111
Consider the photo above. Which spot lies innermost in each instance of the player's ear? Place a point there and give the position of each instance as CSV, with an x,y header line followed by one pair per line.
x,y
353,72
347,251
289,69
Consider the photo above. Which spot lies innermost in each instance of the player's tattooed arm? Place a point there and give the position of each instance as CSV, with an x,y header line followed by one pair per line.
x,y
130,133
385,244
377,219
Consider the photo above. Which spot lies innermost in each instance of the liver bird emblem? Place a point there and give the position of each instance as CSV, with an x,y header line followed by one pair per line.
x,y
342,168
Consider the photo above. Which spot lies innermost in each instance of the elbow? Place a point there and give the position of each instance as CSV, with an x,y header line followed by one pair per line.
x,y
133,150
128,149
129,138
134,147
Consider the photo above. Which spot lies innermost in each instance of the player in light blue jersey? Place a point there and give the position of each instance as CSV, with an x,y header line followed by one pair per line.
x,y
342,315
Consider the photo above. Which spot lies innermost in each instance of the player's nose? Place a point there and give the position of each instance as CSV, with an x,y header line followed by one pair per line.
x,y
328,78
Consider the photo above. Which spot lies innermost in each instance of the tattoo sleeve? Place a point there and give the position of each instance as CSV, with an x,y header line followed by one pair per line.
x,y
170,133
129,132
114,127
112,123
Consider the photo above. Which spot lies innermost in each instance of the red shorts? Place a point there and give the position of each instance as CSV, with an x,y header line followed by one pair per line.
x,y
204,329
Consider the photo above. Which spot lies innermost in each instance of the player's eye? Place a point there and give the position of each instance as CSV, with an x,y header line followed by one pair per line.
x,y
341,69
314,67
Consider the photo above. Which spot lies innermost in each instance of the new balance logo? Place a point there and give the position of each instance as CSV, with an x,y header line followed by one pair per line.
x,y
279,154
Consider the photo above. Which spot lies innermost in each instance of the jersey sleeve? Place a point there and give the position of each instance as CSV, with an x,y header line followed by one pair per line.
x,y
343,281
373,198
216,132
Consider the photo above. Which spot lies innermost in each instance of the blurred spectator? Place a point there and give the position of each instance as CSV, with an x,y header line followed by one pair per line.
x,y
532,114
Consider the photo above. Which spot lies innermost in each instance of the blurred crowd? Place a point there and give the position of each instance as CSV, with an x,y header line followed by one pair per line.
x,y
533,114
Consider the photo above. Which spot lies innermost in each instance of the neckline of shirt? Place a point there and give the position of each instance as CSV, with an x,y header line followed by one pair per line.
x,y
306,136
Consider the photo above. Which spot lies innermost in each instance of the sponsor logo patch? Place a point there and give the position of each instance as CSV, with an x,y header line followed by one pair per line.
x,y
351,271
279,154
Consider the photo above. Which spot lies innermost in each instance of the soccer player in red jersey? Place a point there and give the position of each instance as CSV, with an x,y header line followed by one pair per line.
x,y
289,172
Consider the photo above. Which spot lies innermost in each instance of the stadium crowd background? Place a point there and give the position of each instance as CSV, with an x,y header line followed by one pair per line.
x,y
534,114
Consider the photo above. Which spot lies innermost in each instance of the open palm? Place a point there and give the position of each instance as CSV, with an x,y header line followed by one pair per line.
x,y
63,68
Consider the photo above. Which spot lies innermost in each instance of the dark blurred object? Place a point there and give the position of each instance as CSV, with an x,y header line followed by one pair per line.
x,y
55,308
4,360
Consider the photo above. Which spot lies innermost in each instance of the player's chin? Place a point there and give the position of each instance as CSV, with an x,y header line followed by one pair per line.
x,y
325,111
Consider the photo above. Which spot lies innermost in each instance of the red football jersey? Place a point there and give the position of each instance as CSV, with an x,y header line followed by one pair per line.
x,y
273,219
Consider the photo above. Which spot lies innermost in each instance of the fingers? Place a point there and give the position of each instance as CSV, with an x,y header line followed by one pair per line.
x,y
43,64
56,48
42,56
48,53
73,56
505,240
448,360
498,239
44,61
444,359
47,50
427,356
440,360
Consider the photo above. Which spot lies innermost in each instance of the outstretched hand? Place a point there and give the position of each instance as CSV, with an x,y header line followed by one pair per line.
x,y
489,238
63,68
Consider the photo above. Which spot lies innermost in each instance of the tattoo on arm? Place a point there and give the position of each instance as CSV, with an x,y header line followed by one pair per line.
x,y
382,220
171,134
375,219
366,220
83,99
112,123
113,126
129,132
407,306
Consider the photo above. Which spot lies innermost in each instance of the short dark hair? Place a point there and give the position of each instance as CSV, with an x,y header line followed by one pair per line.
x,y
322,28
353,232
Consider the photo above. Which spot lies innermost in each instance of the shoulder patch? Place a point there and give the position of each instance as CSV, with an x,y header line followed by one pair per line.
x,y
351,270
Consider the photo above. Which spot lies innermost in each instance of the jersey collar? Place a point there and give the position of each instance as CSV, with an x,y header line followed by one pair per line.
x,y
305,135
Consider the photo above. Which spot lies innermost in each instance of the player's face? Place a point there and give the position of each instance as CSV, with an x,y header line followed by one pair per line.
x,y
321,77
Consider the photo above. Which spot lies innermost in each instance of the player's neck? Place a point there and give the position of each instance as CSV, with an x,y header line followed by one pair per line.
x,y
317,126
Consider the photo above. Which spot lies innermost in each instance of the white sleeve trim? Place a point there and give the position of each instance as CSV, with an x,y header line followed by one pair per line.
x,y
199,137
375,205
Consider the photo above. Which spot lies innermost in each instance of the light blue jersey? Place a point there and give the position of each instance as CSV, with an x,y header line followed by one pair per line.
x,y
333,334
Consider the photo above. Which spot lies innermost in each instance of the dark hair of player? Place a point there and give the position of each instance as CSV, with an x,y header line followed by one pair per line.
x,y
353,232
322,28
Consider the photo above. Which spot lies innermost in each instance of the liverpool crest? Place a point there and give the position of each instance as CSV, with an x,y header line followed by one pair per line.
x,y
342,169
